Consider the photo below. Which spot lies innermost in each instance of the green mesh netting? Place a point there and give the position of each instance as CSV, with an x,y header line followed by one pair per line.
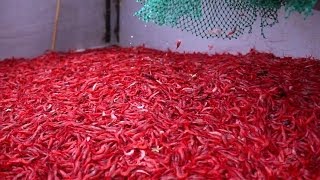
x,y
219,18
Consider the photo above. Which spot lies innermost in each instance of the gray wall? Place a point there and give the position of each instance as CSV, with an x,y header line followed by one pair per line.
x,y
291,37
26,26
26,29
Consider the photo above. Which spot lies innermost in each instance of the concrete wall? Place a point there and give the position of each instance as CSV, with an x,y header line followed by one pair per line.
x,y
291,37
26,26
26,29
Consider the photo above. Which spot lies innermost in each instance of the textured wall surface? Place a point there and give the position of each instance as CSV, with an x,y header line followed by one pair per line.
x,y
291,37
26,26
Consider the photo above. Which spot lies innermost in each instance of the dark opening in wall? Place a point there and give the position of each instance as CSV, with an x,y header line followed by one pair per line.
x,y
117,28
107,37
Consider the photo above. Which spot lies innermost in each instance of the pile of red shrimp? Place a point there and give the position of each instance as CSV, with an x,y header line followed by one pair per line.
x,y
138,113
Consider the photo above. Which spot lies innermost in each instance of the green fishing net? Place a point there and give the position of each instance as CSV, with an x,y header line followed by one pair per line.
x,y
219,18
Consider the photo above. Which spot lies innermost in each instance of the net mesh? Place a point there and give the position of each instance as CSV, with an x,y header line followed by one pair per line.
x,y
219,18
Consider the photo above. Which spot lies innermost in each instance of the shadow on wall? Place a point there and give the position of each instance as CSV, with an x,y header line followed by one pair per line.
x,y
294,36
26,28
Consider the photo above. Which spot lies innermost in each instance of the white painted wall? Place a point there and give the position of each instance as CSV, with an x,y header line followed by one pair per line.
x,y
291,37
26,26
